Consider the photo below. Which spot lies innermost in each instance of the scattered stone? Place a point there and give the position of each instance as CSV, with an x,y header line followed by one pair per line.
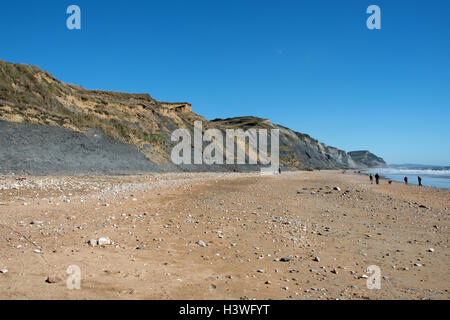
x,y
201,243
316,259
52,280
431,250
260,271
337,188
104,241
285,259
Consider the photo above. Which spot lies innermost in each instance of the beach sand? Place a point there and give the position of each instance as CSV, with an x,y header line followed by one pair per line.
x,y
223,236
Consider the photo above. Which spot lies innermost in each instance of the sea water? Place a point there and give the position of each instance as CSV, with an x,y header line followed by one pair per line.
x,y
431,177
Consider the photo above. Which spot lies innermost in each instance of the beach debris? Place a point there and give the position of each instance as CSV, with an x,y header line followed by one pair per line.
x,y
3,270
337,188
37,251
431,250
285,259
316,259
36,222
141,247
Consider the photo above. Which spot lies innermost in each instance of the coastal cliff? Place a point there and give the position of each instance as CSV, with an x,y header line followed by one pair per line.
x,y
47,126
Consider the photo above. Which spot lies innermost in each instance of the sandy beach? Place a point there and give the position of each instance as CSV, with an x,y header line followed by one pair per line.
x,y
301,235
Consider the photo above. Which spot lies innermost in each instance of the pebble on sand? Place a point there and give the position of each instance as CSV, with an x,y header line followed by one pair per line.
x,y
52,280
93,243
104,241
201,243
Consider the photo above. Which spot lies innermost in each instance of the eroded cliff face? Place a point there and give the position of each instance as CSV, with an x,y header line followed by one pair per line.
x,y
37,102
177,106
366,159
297,150
28,94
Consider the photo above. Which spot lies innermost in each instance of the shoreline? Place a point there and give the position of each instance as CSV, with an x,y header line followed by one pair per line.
x,y
411,182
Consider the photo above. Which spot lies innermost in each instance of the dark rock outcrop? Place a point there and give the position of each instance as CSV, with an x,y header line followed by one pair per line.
x,y
27,148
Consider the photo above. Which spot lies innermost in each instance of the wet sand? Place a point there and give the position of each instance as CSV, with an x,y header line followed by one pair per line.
x,y
223,236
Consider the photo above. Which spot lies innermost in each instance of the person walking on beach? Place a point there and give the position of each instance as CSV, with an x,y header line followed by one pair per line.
x,y
406,180
279,170
377,178
371,179
420,181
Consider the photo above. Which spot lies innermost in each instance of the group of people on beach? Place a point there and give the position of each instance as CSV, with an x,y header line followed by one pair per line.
x,y
377,178
419,180
406,179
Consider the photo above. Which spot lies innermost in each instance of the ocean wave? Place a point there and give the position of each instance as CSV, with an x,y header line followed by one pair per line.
x,y
419,172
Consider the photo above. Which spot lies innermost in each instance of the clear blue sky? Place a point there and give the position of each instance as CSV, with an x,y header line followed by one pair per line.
x,y
310,65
